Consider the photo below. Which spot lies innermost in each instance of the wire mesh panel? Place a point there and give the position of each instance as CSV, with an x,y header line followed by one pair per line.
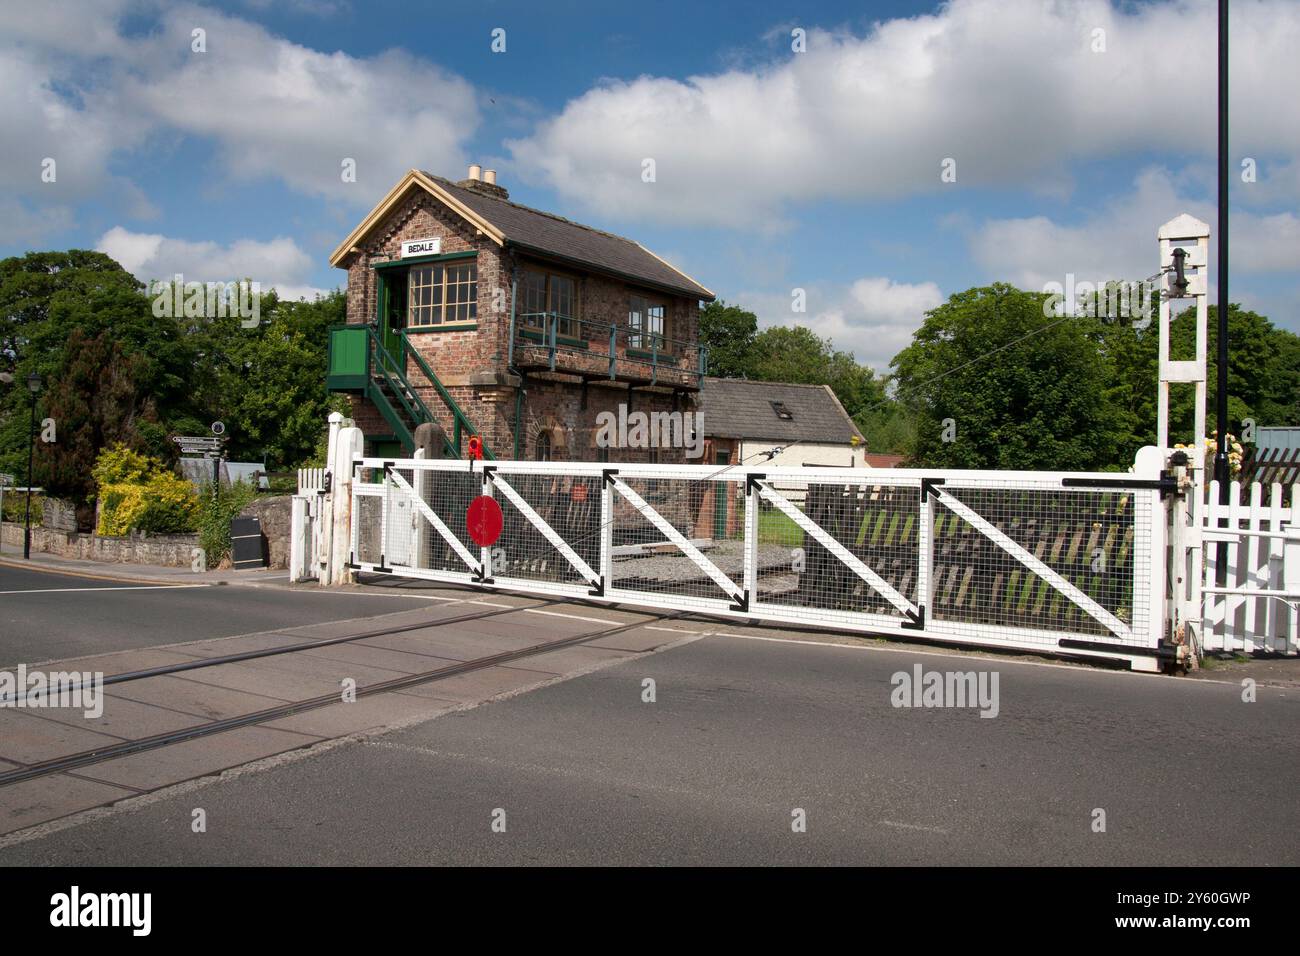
x,y
1017,559
367,525
679,537
566,506
447,492
400,516
804,566
1048,559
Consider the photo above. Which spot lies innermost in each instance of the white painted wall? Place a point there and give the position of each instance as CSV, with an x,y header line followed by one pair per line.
x,y
805,453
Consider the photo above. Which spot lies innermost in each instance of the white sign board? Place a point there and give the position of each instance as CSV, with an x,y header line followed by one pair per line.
x,y
422,247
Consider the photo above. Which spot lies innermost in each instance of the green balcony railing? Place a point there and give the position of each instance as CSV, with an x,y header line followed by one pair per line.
x,y
620,351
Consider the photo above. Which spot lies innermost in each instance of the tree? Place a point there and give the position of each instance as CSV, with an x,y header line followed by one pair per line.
x,y
29,285
95,400
1263,373
797,354
267,384
728,332
996,383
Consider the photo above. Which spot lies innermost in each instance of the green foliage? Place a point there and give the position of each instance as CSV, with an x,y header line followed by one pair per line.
x,y
141,494
728,332
31,284
796,354
217,509
268,383
15,507
116,372
1018,389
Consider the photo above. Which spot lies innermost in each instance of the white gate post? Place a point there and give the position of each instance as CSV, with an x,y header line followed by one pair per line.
x,y
1291,577
346,445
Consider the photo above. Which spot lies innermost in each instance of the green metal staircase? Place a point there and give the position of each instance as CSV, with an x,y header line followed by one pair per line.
x,y
359,363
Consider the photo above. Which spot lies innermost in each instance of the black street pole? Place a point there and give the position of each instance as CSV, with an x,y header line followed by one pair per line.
x,y
31,450
1221,397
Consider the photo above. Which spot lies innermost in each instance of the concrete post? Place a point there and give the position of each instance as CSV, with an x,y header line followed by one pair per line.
x,y
345,443
430,443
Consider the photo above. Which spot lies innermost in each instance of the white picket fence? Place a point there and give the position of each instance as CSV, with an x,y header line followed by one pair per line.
x,y
306,544
1257,606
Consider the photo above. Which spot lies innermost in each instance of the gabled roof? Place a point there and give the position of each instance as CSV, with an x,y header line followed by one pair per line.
x,y
740,408
509,223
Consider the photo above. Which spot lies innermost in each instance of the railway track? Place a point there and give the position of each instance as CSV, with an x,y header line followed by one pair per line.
x,y
86,758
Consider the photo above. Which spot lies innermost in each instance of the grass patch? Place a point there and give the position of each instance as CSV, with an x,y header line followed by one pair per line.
x,y
776,527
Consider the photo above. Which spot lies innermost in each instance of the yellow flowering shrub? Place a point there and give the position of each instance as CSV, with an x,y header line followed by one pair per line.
x,y
140,494
120,508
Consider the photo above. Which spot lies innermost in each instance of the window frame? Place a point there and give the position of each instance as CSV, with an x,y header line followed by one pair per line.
x,y
569,326
436,312
642,335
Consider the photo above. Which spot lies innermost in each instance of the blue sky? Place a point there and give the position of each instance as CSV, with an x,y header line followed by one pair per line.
x,y
1076,130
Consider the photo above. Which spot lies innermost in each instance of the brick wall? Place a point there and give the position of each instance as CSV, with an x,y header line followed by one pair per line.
x,y
473,363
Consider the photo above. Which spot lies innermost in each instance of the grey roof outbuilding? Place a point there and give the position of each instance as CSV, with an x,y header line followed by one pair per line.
x,y
740,408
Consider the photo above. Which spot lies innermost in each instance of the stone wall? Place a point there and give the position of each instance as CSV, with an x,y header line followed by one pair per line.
x,y
276,514
162,550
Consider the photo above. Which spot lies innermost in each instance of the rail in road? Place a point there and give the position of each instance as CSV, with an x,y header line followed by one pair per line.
x,y
30,771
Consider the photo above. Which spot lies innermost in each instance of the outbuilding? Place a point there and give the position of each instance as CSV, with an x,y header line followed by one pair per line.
x,y
744,420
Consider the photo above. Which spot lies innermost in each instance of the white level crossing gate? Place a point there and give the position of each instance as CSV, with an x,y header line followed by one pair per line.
x,y
1052,562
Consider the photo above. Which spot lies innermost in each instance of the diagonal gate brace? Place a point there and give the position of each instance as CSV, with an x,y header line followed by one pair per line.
x,y
549,533
1087,604
854,563
437,522
676,537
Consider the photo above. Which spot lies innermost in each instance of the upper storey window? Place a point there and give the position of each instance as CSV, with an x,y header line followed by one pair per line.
x,y
547,294
438,294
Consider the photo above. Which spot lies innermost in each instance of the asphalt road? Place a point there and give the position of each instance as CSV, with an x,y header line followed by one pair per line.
x,y
742,733
49,616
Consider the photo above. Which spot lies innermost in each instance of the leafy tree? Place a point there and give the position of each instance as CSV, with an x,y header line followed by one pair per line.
x,y
1263,373
728,332
267,384
95,400
29,285
995,383
797,354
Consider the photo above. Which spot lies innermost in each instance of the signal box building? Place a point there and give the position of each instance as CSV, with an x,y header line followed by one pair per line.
x,y
490,318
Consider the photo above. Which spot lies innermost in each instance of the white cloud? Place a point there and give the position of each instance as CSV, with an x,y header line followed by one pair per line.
x,y
280,110
74,87
1116,239
1010,89
148,256
872,317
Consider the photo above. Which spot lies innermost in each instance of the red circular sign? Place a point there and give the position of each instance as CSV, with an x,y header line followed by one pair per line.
x,y
484,520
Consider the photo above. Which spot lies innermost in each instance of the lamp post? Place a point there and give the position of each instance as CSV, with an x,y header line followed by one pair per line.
x,y
1221,469
34,386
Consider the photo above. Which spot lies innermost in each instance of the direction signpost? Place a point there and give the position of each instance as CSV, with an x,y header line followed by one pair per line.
x,y
204,446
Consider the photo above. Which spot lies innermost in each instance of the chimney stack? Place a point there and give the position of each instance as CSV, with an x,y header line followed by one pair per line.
x,y
484,182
